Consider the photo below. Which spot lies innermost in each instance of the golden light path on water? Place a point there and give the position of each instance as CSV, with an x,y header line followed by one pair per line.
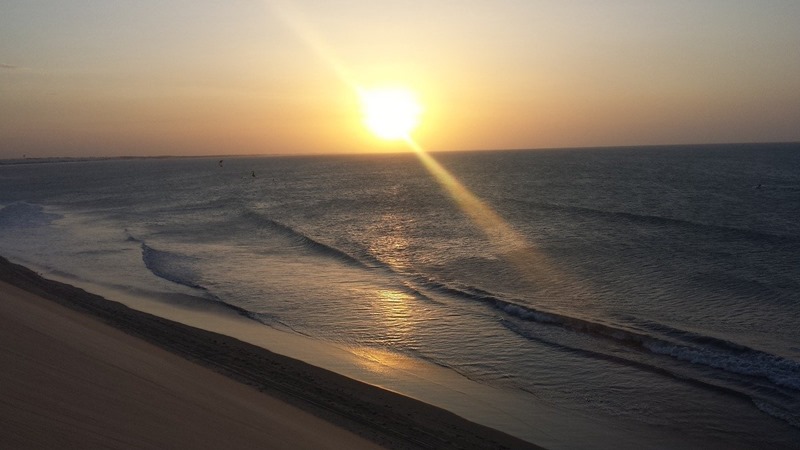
x,y
511,245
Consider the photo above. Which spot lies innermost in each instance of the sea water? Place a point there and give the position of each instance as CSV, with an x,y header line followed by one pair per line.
x,y
655,286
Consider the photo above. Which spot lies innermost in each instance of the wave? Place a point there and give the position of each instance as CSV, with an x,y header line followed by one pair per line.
x,y
177,268
679,344
778,412
25,215
663,221
772,402
590,353
776,394
704,350
303,240
171,267
778,370
363,260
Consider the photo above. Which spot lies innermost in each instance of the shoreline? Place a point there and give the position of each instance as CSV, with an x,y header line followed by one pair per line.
x,y
381,417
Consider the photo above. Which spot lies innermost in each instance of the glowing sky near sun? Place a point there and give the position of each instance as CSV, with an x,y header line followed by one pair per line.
x,y
98,77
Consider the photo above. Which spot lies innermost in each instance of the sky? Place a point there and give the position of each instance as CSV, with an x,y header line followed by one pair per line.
x,y
212,77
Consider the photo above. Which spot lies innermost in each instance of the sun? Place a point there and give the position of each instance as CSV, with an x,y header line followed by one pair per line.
x,y
390,113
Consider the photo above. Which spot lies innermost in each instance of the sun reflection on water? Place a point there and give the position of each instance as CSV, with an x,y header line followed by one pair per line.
x,y
523,255
392,243
382,361
395,316
393,312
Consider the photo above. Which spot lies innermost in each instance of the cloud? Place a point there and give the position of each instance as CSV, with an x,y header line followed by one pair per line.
x,y
8,66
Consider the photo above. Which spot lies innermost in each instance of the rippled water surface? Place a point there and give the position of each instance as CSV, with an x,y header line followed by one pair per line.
x,y
658,285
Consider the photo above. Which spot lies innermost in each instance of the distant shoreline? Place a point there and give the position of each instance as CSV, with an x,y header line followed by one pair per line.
x,y
75,159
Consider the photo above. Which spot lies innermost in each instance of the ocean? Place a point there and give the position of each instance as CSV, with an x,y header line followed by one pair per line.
x,y
652,288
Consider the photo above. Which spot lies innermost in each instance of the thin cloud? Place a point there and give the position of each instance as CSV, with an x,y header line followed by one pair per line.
x,y
8,66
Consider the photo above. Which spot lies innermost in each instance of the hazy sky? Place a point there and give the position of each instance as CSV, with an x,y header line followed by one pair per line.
x,y
145,77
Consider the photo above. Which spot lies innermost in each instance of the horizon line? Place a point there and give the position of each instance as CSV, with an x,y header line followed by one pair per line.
x,y
35,159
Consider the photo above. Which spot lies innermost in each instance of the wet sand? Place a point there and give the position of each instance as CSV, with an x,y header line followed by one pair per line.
x,y
80,371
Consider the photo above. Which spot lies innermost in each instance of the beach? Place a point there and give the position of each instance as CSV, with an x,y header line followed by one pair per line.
x,y
80,371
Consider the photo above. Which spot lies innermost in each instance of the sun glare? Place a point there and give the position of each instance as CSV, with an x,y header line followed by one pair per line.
x,y
390,113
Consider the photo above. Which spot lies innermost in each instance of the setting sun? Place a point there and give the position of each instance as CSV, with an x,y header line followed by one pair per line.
x,y
390,113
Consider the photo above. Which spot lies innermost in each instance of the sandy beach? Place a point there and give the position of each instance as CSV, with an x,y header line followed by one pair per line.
x,y
80,371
